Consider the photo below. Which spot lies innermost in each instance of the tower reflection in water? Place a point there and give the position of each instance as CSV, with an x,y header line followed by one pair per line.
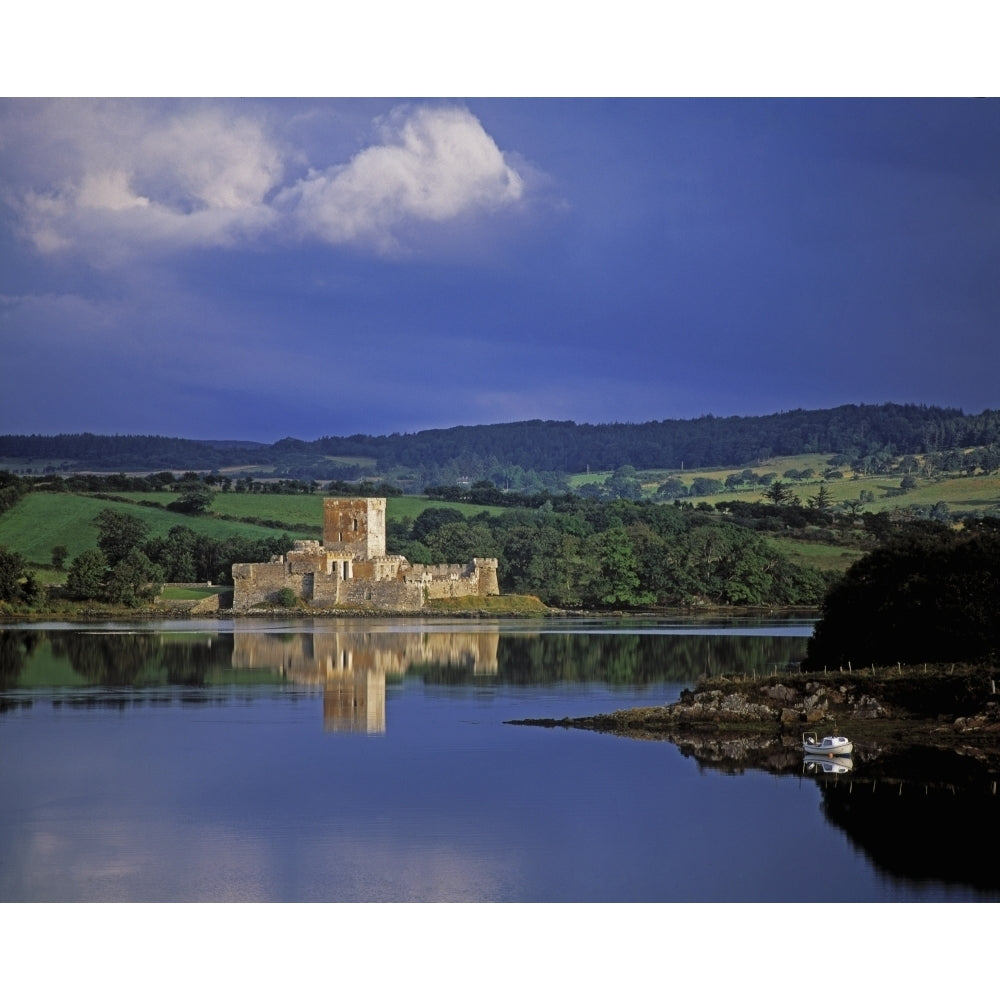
x,y
352,667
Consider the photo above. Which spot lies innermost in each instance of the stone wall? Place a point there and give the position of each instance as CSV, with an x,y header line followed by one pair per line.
x,y
476,579
351,569
259,583
381,595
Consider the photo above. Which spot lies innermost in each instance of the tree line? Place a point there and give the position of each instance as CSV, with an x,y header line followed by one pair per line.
x,y
575,553
128,566
532,452
570,552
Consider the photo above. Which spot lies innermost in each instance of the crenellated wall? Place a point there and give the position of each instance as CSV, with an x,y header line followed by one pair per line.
x,y
351,569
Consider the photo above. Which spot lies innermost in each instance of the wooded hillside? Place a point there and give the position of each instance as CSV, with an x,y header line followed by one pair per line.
x,y
544,446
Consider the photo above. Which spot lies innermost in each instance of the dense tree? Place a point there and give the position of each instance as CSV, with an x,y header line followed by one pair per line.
x,y
119,533
871,435
87,571
195,498
16,583
924,596
779,494
822,501
461,541
430,519
624,483
703,486
618,583
12,488
175,554
671,488
133,580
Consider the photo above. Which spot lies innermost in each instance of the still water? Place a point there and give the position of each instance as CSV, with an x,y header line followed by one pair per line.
x,y
369,760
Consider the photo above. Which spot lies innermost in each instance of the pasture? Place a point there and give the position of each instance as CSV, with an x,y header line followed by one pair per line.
x,y
963,494
43,520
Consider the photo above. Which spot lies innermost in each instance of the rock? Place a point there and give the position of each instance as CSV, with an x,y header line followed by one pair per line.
x,y
703,696
780,693
867,707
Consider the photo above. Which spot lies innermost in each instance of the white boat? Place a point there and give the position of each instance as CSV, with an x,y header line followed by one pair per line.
x,y
828,746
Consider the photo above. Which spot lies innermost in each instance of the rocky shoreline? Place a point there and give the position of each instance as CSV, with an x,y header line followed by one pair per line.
x,y
944,706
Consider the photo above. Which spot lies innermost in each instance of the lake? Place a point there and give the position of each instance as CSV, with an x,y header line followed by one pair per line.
x,y
370,760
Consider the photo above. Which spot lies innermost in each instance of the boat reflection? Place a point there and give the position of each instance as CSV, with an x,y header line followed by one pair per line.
x,y
827,765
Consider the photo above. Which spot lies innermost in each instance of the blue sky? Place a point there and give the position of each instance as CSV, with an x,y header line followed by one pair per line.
x,y
262,268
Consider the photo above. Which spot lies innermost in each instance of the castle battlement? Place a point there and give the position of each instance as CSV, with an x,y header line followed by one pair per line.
x,y
350,568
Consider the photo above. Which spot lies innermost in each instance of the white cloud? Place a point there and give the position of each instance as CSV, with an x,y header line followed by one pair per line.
x,y
112,179
111,190
434,164
208,160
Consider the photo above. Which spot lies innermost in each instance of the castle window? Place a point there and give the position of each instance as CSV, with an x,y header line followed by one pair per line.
x,y
355,524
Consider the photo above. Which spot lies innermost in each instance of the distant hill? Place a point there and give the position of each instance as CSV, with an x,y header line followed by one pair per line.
x,y
545,446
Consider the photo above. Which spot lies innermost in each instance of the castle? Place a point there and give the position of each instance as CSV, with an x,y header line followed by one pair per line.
x,y
350,568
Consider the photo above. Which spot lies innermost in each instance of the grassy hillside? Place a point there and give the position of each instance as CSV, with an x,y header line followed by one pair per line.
x,y
818,555
43,520
963,494
290,509
301,509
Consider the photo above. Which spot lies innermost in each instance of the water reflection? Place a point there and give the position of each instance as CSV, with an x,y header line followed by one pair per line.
x,y
816,766
351,668
922,815
116,657
199,769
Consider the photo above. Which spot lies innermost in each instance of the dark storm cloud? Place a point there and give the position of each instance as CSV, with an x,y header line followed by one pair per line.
x,y
261,269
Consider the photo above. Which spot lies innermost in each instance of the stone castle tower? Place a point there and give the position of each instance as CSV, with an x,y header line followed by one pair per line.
x,y
355,526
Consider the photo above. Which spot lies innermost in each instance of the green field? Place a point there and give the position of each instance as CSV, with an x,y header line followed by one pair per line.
x,y
292,508
963,494
189,593
305,509
818,555
400,507
43,520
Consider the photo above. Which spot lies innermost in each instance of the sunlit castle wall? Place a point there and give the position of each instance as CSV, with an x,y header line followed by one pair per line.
x,y
351,569
355,526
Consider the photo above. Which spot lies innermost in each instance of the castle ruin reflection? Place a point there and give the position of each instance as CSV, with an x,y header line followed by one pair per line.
x,y
352,667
